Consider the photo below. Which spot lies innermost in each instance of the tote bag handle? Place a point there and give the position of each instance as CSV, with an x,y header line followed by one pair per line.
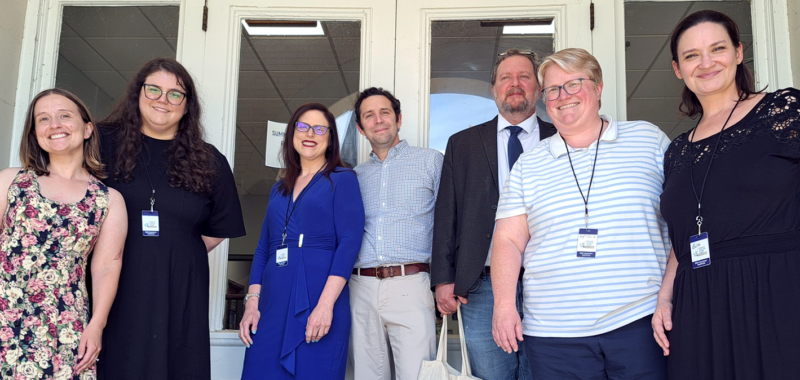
x,y
441,353
465,367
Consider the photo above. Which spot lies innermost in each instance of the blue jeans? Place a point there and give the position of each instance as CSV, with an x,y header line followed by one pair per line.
x,y
488,361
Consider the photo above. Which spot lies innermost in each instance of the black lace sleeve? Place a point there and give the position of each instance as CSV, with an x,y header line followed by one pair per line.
x,y
780,117
675,156
777,115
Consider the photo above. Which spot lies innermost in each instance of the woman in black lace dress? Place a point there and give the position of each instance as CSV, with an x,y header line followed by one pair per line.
x,y
729,300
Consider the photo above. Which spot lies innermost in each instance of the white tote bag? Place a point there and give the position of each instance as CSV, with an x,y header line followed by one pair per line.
x,y
439,369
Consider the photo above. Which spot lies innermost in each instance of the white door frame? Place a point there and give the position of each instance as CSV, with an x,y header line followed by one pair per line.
x,y
222,72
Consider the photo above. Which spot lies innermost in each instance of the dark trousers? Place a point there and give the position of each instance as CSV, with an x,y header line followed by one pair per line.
x,y
627,353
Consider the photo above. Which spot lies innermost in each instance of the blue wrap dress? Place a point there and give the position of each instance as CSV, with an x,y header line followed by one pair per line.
x,y
329,214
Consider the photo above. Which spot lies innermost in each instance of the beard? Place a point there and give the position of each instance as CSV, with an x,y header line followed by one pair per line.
x,y
524,107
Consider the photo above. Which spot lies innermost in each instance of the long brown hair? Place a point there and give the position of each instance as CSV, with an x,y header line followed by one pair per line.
x,y
290,157
192,164
33,157
745,82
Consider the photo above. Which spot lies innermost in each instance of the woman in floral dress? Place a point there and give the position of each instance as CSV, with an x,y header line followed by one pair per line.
x,y
51,219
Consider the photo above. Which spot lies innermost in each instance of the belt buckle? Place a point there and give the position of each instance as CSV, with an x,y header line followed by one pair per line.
x,y
388,267
378,271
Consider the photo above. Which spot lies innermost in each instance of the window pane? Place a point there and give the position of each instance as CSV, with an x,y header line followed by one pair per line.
x,y
653,90
462,56
101,48
277,74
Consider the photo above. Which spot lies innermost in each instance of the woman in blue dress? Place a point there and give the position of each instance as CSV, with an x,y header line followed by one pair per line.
x,y
296,323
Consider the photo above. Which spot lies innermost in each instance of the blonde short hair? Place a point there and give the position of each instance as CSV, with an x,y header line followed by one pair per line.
x,y
572,60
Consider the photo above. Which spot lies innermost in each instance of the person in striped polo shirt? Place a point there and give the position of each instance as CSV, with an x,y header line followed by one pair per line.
x,y
580,212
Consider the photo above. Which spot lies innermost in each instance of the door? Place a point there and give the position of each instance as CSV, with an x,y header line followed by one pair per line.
x,y
447,47
263,60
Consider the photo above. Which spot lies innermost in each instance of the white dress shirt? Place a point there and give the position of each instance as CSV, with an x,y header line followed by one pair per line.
x,y
529,137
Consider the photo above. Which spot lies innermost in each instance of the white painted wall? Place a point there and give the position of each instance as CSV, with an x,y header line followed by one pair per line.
x,y
12,21
794,39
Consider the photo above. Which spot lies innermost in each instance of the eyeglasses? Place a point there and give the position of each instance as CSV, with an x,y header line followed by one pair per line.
x,y
318,129
517,52
571,88
154,92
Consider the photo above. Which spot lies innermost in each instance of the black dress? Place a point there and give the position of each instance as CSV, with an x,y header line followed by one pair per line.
x,y
737,318
158,326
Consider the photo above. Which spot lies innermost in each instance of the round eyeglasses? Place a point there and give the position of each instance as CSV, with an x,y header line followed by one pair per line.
x,y
318,129
571,88
154,92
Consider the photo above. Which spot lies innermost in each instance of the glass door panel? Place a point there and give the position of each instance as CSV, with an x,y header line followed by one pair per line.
x,y
447,49
323,69
653,91
101,48
463,53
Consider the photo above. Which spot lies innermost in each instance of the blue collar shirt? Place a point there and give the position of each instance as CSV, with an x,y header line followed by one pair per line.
x,y
399,195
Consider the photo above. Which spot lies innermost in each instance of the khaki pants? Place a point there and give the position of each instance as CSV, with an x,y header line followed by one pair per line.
x,y
396,312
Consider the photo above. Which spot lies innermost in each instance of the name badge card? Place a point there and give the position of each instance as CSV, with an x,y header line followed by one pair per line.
x,y
149,223
587,242
701,254
282,256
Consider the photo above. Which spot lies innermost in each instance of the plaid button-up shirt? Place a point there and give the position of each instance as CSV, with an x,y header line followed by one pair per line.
x,y
399,195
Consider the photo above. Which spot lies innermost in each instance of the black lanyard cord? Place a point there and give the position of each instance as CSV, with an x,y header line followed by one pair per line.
x,y
153,188
699,197
591,179
296,201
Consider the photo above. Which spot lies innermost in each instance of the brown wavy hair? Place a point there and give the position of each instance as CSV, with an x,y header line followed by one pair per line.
x,y
290,157
745,82
192,164
33,157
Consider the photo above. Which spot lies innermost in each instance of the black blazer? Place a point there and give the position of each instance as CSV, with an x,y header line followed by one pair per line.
x,y
466,205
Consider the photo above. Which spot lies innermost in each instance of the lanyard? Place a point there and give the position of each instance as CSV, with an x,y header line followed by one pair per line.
x,y
153,188
300,196
699,197
591,179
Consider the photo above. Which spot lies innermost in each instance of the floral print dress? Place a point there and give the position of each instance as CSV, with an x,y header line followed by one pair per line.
x,y
43,299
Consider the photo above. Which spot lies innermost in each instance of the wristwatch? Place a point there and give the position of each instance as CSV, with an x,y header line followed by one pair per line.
x,y
249,295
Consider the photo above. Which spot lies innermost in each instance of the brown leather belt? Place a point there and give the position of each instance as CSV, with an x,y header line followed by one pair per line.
x,y
488,270
392,271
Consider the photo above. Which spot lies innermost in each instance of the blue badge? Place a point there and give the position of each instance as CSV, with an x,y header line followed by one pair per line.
x,y
150,223
701,253
587,242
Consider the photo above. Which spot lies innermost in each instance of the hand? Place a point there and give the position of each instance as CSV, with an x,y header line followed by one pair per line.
x,y
506,328
89,348
446,301
249,321
662,320
319,323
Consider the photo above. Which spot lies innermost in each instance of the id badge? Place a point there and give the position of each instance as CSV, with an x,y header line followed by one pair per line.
x,y
587,242
149,223
282,256
701,253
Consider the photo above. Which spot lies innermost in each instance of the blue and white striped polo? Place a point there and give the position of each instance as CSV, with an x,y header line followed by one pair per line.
x,y
568,296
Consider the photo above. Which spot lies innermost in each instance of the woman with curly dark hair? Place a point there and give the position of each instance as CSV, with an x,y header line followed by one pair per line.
x,y
182,202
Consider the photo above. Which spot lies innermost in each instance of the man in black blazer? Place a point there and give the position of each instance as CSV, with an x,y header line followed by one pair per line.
x,y
476,163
